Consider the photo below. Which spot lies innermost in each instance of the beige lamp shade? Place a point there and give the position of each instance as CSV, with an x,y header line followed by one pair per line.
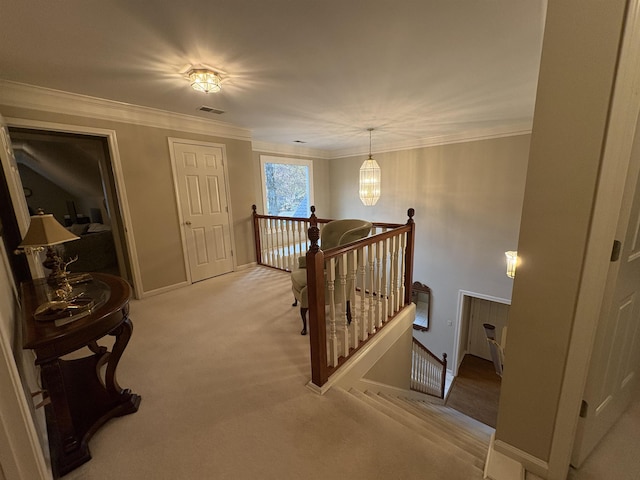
x,y
45,230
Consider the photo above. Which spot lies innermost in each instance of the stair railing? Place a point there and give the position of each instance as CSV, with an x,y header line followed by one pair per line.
x,y
374,276
428,372
279,241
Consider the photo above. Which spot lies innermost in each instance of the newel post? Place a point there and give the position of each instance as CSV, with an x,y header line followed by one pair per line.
x,y
256,235
408,266
443,378
315,295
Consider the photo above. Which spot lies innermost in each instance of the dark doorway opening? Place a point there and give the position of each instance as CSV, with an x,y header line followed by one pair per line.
x,y
71,176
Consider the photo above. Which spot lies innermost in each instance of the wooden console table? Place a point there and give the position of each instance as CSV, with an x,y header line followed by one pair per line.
x,y
83,392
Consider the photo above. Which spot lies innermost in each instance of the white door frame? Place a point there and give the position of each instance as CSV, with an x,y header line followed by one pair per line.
x,y
625,107
21,453
116,165
457,345
174,171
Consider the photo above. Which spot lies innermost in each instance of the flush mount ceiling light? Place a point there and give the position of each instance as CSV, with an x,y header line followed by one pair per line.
x,y
369,179
204,80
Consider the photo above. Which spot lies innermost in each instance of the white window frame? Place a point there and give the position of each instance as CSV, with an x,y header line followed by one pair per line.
x,y
287,161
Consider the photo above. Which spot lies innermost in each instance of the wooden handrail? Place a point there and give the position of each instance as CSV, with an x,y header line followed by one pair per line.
x,y
430,353
317,259
347,247
442,363
280,217
381,271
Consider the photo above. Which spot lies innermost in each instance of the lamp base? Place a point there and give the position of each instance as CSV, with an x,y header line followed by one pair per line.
x,y
52,262
57,279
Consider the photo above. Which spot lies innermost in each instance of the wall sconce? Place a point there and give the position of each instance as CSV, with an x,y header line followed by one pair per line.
x,y
512,262
369,179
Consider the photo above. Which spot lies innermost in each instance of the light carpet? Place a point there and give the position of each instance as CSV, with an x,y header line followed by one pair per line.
x,y
221,368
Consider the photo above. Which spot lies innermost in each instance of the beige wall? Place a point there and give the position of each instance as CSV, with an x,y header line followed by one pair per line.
x,y
574,92
146,167
467,197
394,368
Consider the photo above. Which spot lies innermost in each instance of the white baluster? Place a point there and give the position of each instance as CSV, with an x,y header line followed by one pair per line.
x,y
333,337
274,241
306,240
263,240
393,275
362,332
268,243
287,245
279,243
371,325
413,365
342,283
384,293
300,240
378,289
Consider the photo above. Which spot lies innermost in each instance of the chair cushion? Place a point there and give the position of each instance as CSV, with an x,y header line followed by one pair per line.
x,y
299,279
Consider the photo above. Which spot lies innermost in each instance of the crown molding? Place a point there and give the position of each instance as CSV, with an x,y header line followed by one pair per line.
x,y
514,129
56,101
520,128
298,151
39,98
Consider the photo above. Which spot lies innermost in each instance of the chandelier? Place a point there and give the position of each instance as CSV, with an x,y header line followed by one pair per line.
x,y
204,80
369,179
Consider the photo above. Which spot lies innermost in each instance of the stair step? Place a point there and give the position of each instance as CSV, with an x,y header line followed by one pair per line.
x,y
443,420
448,417
445,429
457,416
419,428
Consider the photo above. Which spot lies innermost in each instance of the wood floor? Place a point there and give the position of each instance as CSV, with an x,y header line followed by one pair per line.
x,y
476,390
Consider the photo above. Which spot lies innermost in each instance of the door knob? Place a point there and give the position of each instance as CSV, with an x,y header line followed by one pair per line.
x,y
187,222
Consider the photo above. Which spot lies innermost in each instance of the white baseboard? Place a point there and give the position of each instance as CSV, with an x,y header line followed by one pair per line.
x,y
500,466
527,461
246,266
161,290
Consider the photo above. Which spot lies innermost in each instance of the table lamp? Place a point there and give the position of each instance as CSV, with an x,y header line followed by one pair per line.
x,y
45,231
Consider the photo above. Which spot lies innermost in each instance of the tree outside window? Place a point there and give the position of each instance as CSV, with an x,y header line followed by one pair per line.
x,y
287,186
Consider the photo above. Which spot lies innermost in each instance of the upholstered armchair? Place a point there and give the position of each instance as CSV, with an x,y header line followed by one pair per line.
x,y
334,234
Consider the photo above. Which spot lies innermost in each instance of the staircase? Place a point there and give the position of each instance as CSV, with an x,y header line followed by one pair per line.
x,y
447,428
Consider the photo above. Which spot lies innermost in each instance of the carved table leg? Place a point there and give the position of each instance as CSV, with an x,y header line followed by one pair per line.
x,y
128,402
67,449
81,402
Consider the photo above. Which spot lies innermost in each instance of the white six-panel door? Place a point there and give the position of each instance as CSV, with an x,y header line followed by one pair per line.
x,y
202,198
613,370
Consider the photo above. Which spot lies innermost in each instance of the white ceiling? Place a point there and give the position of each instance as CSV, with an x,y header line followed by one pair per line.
x,y
321,72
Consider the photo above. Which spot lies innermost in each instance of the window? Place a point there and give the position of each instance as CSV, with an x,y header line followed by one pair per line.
x,y
287,186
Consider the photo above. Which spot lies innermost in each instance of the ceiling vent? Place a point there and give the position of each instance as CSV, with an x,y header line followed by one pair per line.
x,y
204,108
